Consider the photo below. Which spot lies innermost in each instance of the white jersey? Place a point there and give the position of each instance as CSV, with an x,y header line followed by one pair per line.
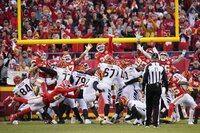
x,y
24,89
79,78
141,107
181,78
63,74
130,72
111,73
89,93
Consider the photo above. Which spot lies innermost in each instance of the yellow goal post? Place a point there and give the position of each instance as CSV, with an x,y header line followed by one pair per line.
x,y
96,40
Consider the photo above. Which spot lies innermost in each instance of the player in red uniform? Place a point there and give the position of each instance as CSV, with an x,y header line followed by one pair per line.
x,y
167,62
103,50
181,97
61,90
69,63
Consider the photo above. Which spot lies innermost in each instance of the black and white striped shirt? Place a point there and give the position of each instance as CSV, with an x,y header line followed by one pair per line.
x,y
154,73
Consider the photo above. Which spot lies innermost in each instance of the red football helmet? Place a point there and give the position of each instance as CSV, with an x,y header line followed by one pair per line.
x,y
17,79
123,100
101,47
195,74
67,58
164,56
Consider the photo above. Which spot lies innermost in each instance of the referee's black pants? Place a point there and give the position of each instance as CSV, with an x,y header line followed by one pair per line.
x,y
153,93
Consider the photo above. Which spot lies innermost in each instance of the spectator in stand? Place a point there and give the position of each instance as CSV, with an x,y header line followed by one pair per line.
x,y
3,73
23,67
26,59
10,61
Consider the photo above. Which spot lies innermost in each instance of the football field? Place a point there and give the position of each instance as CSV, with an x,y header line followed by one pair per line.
x,y
40,127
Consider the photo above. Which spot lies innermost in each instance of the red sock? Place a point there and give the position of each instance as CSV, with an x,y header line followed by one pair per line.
x,y
23,112
171,110
20,99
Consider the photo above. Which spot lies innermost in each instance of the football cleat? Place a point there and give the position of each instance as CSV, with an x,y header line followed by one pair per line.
x,y
190,122
12,118
166,119
73,120
54,122
87,121
98,119
105,122
128,122
8,100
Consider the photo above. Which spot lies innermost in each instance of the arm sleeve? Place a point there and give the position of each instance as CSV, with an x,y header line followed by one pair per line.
x,y
145,78
132,81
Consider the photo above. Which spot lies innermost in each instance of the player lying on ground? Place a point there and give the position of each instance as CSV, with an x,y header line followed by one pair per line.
x,y
61,90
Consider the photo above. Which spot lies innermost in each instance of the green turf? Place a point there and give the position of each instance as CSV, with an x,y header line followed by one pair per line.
x,y
40,127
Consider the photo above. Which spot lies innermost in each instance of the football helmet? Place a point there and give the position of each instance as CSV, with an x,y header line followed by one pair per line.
x,y
195,74
67,58
164,56
100,47
123,100
17,79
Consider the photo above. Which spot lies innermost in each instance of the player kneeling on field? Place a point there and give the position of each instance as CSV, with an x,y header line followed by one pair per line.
x,y
136,107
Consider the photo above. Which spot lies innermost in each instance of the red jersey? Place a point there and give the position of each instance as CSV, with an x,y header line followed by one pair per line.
x,y
142,61
42,63
100,56
108,51
70,66
166,64
60,91
175,88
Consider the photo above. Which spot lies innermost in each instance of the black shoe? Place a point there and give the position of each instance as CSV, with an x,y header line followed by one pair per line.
x,y
61,122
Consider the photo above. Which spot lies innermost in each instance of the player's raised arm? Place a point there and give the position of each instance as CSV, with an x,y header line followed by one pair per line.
x,y
180,57
87,49
139,47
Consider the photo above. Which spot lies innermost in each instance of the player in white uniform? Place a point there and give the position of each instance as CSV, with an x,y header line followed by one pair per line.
x,y
63,74
136,107
131,79
77,78
24,89
110,73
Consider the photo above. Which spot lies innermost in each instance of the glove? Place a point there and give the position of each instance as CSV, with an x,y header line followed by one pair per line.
x,y
139,47
138,35
183,52
87,48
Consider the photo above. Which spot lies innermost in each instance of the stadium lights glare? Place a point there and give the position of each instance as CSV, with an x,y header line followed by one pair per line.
x,y
96,40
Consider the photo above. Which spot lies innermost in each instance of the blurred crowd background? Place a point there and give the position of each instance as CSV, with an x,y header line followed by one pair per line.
x,y
65,19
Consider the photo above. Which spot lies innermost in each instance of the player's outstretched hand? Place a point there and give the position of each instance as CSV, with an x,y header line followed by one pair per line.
x,y
88,47
137,34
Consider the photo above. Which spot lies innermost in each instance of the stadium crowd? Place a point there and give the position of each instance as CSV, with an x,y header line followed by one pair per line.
x,y
65,19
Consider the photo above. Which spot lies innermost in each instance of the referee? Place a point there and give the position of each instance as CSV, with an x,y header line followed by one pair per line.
x,y
153,79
